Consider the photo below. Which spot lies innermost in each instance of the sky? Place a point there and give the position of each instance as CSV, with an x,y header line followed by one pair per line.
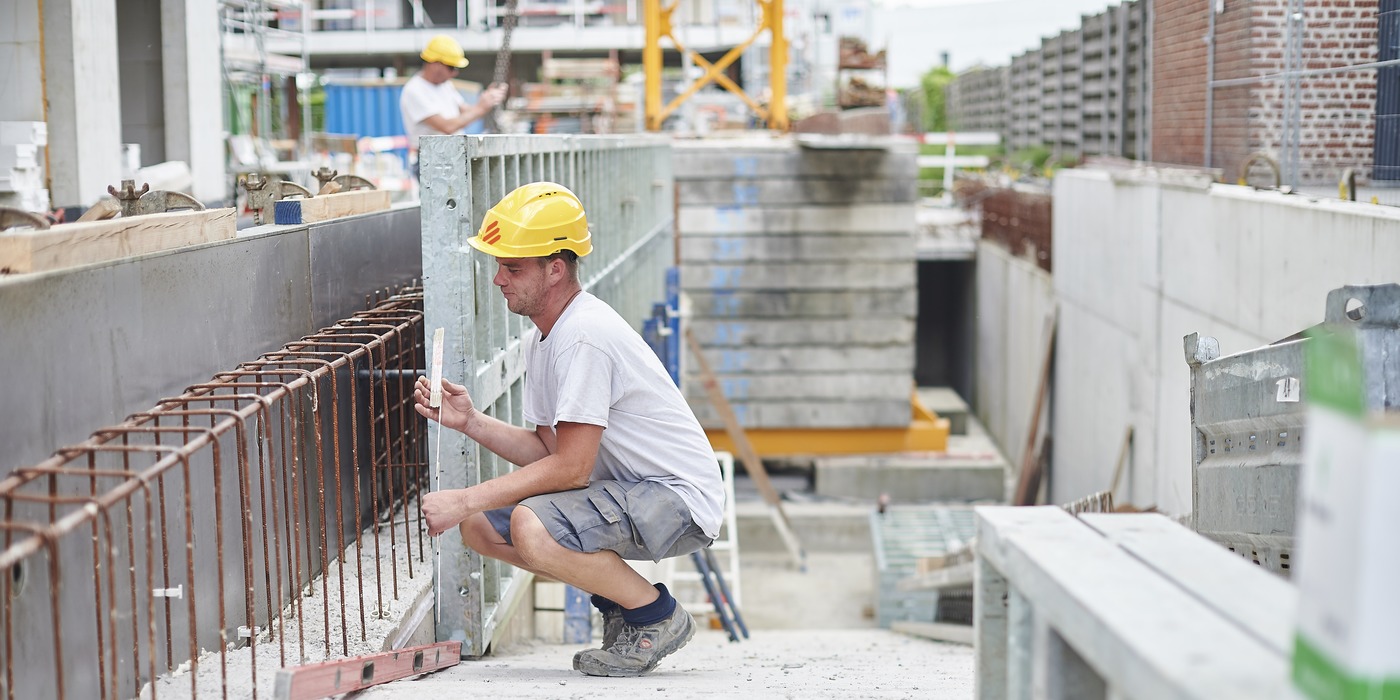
x,y
988,32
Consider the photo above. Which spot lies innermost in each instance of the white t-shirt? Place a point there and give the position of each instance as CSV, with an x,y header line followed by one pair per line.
x,y
421,99
595,369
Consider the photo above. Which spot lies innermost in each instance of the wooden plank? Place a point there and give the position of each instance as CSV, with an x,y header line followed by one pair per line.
x,y
937,631
67,245
1258,601
752,464
1028,480
330,206
1138,630
955,576
345,675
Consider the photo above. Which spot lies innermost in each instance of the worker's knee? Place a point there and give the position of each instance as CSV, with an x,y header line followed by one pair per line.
x,y
478,534
530,537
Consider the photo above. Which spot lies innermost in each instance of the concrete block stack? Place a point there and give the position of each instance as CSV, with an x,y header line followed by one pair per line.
x,y
21,165
798,270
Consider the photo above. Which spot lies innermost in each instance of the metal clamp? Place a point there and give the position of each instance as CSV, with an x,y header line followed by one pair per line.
x,y
21,219
263,193
344,183
151,202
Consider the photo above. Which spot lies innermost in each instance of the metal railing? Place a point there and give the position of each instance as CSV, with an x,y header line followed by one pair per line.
x,y
627,191
201,545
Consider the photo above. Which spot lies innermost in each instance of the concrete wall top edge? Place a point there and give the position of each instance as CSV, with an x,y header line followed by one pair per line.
x,y
1275,198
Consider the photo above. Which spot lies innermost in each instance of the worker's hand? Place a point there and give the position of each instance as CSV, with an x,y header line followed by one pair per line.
x,y
493,95
457,407
444,510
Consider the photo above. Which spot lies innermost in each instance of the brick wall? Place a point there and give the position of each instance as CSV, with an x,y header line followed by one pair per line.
x,y
1336,111
1179,81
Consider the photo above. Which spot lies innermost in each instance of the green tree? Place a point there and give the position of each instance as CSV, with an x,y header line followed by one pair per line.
x,y
935,83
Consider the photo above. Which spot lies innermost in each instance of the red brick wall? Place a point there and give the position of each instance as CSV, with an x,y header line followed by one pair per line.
x,y
1178,81
1336,115
1336,111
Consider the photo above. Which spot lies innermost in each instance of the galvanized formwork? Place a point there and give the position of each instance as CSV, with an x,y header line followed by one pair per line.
x,y
902,535
1247,423
627,190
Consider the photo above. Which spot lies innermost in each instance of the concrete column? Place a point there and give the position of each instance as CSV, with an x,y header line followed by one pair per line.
x,y
80,75
989,612
194,113
22,99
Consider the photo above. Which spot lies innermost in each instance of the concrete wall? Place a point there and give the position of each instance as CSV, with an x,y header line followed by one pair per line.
x,y
91,345
1143,259
1014,296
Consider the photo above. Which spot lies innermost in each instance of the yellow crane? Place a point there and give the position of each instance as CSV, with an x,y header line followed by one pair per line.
x,y
658,25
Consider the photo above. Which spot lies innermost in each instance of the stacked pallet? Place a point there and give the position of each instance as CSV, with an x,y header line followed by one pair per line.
x,y
21,160
798,268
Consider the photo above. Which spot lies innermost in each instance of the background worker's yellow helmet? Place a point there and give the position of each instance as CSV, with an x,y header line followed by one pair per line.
x,y
444,49
534,221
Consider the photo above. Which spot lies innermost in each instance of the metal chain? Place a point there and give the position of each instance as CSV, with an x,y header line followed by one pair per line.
x,y
502,61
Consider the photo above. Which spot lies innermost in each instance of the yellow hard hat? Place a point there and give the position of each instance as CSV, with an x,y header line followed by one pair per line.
x,y
534,221
444,49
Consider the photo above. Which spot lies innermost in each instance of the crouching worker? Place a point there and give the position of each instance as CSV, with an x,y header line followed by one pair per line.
x,y
617,467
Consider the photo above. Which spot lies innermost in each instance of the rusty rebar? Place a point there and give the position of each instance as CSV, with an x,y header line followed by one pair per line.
x,y
260,406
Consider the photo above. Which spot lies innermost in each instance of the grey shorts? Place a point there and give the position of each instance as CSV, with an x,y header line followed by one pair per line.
x,y
639,521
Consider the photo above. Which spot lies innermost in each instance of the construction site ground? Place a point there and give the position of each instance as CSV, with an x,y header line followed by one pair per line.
x,y
813,632
772,663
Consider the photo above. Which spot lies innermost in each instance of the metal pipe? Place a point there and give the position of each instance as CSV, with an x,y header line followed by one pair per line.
x,y
1212,8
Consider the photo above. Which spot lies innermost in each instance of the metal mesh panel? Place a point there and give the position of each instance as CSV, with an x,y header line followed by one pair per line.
x,y
626,188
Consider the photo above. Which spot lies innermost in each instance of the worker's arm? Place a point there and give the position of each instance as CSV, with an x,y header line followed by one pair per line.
x,y
567,467
489,98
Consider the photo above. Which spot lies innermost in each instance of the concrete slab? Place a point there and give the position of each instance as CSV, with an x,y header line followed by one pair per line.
x,y
790,663
848,276
724,303
912,478
853,219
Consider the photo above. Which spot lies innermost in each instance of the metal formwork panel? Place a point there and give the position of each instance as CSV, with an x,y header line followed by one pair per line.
x,y
902,535
1248,419
626,188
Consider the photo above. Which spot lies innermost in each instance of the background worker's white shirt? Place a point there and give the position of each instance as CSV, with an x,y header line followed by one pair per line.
x,y
594,368
421,99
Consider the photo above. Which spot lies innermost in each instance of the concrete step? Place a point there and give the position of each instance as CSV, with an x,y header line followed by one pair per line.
x,y
913,478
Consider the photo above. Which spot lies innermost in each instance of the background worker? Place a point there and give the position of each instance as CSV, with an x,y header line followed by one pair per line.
x,y
617,467
430,104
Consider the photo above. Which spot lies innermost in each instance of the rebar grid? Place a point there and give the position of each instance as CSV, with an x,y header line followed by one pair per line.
x,y
266,474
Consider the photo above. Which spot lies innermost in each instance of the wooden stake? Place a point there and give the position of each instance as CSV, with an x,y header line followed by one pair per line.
x,y
1030,464
752,464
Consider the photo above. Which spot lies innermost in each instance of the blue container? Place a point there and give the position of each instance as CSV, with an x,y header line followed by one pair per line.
x,y
372,109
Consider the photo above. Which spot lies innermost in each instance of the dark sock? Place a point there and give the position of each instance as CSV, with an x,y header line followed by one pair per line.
x,y
603,604
653,612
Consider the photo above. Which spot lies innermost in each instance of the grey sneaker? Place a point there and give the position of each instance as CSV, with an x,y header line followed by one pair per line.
x,y
639,649
612,627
